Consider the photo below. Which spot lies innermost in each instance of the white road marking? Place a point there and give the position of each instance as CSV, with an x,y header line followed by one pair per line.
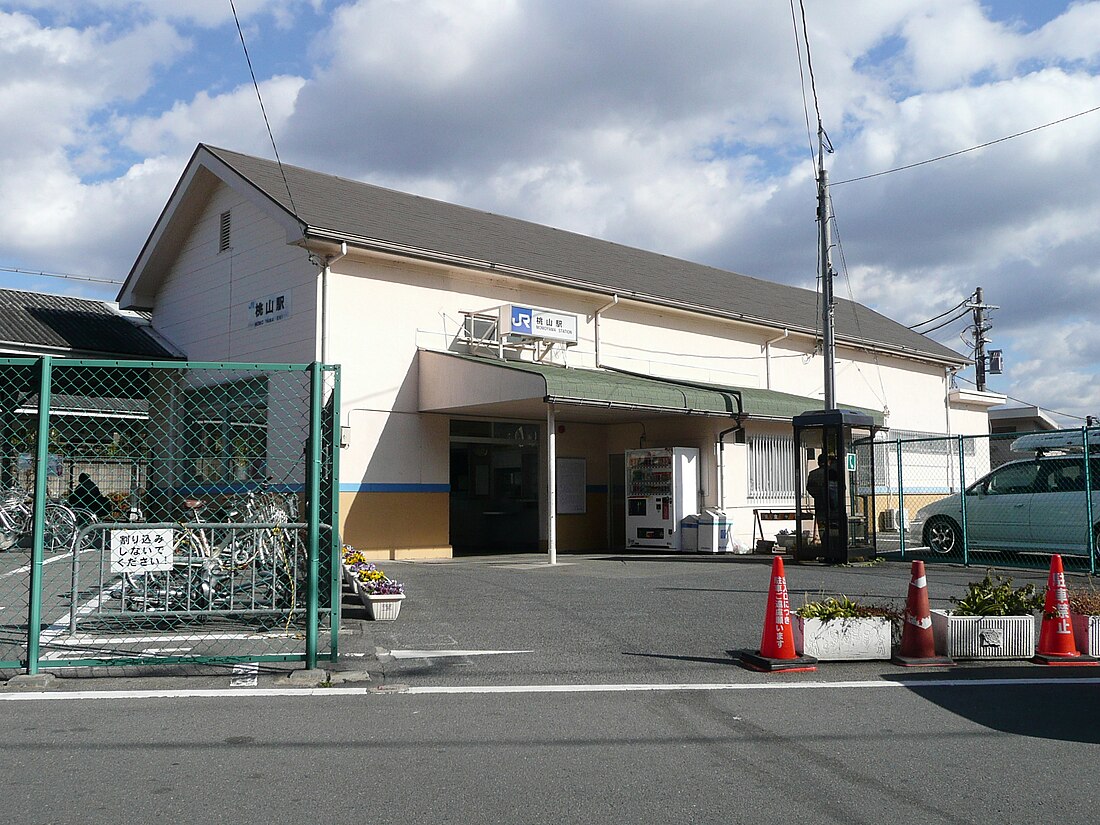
x,y
214,693
156,650
60,625
245,675
437,654
26,568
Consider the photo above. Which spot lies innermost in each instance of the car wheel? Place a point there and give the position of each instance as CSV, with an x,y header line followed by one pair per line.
x,y
943,536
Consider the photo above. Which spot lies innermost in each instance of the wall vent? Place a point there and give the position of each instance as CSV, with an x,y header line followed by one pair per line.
x,y
223,232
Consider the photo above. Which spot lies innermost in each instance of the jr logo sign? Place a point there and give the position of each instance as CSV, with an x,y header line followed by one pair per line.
x,y
521,320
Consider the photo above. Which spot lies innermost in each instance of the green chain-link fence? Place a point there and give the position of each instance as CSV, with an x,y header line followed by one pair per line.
x,y
155,512
988,500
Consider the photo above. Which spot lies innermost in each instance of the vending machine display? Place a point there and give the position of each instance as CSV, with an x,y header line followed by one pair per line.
x,y
662,486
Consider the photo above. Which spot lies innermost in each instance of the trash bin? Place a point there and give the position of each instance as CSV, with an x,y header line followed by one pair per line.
x,y
689,534
713,531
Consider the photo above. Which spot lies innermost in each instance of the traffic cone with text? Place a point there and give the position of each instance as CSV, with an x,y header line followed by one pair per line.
x,y
777,641
1056,643
918,645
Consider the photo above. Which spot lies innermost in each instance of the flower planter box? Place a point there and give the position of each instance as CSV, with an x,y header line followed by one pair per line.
x,y
983,637
382,608
843,640
1086,633
350,577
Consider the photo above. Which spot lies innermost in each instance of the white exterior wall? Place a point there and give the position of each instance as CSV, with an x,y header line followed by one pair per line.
x,y
383,310
386,307
203,305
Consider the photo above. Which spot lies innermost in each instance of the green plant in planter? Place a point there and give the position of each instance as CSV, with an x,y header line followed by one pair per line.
x,y
994,596
832,607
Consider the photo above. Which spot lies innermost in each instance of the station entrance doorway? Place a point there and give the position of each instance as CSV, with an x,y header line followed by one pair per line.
x,y
494,498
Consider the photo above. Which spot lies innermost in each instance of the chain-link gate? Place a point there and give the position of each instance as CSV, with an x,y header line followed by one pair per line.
x,y
1006,500
155,512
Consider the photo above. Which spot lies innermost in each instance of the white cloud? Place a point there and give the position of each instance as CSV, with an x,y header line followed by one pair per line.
x,y
232,120
675,127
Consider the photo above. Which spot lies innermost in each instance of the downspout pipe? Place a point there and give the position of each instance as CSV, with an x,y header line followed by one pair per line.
x,y
596,316
325,271
767,347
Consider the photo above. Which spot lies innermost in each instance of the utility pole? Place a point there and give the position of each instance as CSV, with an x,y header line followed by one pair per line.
x,y
981,327
828,341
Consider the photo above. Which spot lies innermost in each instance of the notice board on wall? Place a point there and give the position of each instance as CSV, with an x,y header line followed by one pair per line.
x,y
571,482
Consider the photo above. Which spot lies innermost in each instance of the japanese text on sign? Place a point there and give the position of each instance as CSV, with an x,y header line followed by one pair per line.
x,y
531,322
268,309
141,551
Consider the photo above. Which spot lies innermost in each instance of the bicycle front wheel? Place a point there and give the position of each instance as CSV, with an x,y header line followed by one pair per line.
x,y
60,533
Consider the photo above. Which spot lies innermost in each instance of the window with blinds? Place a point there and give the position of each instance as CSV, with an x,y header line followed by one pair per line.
x,y
771,467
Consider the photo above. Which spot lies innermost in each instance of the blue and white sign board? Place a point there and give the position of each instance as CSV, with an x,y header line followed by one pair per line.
x,y
532,322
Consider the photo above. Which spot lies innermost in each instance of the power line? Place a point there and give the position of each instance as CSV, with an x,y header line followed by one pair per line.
x,y
65,275
945,323
945,312
855,312
813,82
259,97
971,149
802,79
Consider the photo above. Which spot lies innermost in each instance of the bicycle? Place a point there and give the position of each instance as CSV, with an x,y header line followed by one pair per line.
x,y
224,572
17,520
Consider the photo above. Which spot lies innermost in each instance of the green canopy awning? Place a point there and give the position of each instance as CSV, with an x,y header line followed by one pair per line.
x,y
449,381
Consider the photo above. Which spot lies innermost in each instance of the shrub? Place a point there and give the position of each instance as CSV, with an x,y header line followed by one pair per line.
x,y
1085,602
994,596
833,607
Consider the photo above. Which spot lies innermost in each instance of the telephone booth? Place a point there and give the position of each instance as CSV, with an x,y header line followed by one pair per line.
x,y
835,494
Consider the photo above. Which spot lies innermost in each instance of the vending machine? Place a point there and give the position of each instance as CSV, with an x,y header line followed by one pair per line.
x,y
662,486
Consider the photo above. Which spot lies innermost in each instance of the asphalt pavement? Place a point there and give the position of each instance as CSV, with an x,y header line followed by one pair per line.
x,y
589,619
611,617
605,688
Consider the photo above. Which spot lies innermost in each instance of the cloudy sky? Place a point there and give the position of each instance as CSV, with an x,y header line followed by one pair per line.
x,y
679,127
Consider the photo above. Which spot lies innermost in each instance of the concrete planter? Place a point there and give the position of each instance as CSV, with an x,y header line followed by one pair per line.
x,y
1086,633
843,640
983,637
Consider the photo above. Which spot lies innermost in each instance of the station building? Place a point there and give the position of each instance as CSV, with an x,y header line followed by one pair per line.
x,y
496,373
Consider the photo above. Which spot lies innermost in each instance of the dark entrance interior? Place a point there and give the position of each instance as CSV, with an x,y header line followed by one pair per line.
x,y
494,502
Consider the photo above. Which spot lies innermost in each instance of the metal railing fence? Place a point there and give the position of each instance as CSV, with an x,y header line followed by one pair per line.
x,y
155,512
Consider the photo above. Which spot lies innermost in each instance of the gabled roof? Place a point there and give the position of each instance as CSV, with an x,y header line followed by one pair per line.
x,y
334,209
31,322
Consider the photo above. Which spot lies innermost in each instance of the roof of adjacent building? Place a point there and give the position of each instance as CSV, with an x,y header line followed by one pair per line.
x,y
335,209
31,322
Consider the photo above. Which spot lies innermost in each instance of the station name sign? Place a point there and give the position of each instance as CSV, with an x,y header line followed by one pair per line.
x,y
532,322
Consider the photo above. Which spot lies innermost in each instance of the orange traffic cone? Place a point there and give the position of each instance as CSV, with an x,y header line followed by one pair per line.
x,y
777,641
1056,644
918,646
